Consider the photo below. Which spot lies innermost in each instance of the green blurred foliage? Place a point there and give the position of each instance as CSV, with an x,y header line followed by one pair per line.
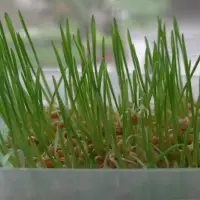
x,y
143,7
81,10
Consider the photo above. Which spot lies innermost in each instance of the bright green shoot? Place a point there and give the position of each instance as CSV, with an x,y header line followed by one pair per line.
x,y
152,123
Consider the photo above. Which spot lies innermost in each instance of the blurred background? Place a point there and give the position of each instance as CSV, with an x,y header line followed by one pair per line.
x,y
140,16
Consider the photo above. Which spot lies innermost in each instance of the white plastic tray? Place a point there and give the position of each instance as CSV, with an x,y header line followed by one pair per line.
x,y
44,184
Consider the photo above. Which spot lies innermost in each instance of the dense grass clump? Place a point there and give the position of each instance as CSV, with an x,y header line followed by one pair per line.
x,y
152,123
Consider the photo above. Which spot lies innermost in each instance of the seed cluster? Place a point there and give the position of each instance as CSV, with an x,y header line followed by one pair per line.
x,y
132,155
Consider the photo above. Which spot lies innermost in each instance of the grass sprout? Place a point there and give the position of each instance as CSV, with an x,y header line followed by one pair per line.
x,y
152,123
